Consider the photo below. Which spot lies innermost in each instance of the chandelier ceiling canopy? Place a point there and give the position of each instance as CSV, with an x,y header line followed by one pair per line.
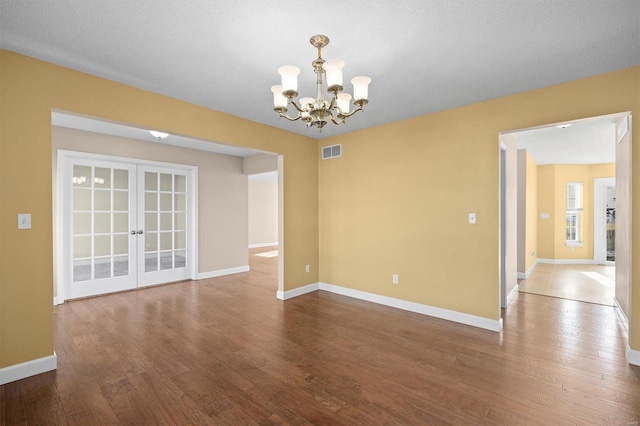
x,y
318,111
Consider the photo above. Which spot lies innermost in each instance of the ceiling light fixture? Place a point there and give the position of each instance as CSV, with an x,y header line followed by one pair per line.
x,y
317,112
158,135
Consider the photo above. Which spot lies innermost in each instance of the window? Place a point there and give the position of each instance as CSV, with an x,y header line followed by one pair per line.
x,y
574,213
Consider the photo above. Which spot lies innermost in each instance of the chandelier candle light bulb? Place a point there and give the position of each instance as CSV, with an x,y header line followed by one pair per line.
x,y
289,75
279,100
333,70
318,111
343,102
361,88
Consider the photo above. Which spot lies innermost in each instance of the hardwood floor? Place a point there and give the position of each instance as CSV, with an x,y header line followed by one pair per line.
x,y
586,283
226,351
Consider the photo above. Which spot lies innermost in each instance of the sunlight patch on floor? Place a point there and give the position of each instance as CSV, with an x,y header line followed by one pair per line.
x,y
608,282
272,253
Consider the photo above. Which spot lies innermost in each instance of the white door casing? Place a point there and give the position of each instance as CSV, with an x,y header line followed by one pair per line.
x,y
599,220
113,188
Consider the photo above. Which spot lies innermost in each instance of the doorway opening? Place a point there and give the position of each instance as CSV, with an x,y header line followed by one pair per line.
x,y
219,235
572,233
123,224
263,227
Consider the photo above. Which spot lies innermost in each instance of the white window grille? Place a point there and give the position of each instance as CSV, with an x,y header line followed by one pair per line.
x,y
574,213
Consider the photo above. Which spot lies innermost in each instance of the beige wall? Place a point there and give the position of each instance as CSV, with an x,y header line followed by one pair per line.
x,y
263,212
527,210
546,206
552,180
29,90
260,163
222,189
531,215
522,212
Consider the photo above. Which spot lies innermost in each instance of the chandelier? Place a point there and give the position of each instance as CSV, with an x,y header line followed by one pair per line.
x,y
317,112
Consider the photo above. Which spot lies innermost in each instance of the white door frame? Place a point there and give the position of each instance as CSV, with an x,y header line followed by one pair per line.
x,y
503,225
62,223
599,221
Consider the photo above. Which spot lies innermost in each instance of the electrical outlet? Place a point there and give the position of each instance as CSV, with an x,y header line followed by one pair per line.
x,y
306,269
395,278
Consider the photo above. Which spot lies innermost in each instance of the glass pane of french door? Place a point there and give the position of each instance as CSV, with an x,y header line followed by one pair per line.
x,y
102,250
163,219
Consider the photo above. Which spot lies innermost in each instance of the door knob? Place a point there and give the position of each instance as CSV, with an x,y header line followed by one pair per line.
x,y
140,231
133,232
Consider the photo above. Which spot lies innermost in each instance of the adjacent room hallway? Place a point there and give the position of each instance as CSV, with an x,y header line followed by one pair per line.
x,y
586,283
226,351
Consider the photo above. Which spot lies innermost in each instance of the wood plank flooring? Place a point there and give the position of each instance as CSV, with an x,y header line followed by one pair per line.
x,y
586,283
226,351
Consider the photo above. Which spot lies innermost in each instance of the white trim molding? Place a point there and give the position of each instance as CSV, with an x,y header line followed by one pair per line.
x,y
221,272
28,369
284,295
567,261
621,314
251,246
512,293
525,275
633,357
432,311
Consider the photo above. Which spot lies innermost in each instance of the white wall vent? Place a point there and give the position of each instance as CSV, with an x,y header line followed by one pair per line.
x,y
331,151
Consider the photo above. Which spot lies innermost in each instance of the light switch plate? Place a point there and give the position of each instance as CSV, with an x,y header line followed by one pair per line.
x,y
24,221
472,218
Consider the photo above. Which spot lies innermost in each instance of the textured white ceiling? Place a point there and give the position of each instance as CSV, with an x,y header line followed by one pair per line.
x,y
589,141
423,55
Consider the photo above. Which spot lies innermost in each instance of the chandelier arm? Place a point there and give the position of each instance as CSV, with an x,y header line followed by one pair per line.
x,y
334,121
334,102
284,115
349,114
295,105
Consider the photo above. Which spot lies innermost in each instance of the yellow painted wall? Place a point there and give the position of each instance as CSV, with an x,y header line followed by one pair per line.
x,y
397,200
531,213
29,90
546,206
552,181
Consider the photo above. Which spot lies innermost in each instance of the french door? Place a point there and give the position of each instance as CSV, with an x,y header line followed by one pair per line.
x,y
124,225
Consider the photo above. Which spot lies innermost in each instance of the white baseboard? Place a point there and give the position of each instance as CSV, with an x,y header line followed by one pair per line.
x,y
28,369
525,275
512,293
459,317
263,245
567,261
621,314
284,295
633,357
221,272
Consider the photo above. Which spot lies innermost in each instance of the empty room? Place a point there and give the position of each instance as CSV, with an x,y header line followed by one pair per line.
x,y
206,217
